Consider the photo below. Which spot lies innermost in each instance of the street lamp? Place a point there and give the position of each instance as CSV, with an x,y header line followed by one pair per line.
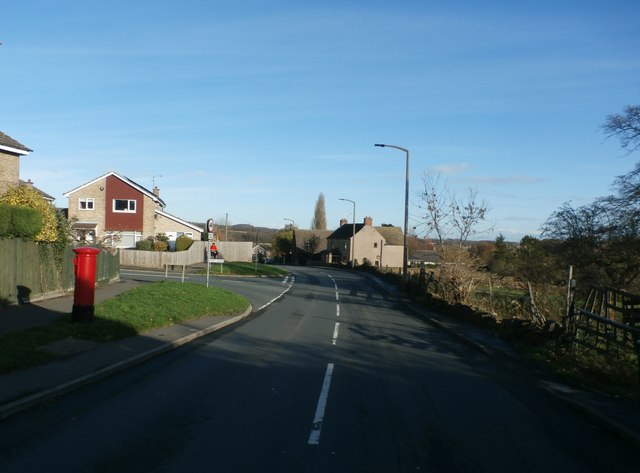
x,y
405,257
353,239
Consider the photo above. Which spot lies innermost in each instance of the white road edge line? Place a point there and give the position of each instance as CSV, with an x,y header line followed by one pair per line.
x,y
314,436
293,280
335,333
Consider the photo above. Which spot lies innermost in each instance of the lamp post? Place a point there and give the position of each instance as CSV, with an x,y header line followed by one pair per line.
x,y
405,257
353,238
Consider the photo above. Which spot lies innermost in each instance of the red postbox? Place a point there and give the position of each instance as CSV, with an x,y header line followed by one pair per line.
x,y
83,295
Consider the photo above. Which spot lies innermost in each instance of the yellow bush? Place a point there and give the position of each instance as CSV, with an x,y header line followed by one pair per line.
x,y
29,197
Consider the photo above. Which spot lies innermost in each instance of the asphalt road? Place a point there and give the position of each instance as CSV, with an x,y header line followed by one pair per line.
x,y
334,377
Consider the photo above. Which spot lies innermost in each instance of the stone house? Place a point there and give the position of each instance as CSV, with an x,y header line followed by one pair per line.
x,y
378,246
309,245
118,211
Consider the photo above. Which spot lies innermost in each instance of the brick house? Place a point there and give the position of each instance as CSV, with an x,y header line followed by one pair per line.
x,y
10,153
115,209
379,246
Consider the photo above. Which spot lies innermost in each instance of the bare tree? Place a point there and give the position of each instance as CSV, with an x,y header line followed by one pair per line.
x,y
626,127
447,216
452,220
319,221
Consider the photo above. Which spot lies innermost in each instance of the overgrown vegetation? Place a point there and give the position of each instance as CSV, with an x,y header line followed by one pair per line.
x,y
25,196
143,308
520,289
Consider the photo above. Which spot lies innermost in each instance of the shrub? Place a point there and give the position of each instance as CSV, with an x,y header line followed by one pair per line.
x,y
183,242
18,221
145,245
29,197
162,237
160,245
5,221
25,222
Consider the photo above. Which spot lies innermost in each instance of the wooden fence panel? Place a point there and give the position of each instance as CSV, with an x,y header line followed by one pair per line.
x,y
28,270
197,253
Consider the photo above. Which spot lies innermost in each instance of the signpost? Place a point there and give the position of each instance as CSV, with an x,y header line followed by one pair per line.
x,y
213,255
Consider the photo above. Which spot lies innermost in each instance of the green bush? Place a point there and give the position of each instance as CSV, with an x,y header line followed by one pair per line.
x,y
5,221
183,242
145,245
17,221
26,222
162,237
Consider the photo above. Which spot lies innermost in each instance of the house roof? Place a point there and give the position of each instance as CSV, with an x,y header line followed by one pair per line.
x,y
425,256
9,144
48,197
392,235
179,220
128,181
344,232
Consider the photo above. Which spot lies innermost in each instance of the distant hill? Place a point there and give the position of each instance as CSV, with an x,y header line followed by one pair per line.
x,y
243,232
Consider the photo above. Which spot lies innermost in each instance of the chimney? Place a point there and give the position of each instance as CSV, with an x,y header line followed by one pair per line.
x,y
343,221
29,184
156,191
368,221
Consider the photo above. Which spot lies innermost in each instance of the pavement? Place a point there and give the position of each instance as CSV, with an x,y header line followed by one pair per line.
x,y
82,362
85,362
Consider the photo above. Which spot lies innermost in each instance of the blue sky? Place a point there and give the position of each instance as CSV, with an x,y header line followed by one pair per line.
x,y
252,108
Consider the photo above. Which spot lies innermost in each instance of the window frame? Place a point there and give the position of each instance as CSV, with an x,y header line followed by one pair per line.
x,y
128,210
86,201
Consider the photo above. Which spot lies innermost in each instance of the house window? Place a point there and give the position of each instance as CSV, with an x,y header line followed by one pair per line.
x,y
124,205
86,204
375,245
123,239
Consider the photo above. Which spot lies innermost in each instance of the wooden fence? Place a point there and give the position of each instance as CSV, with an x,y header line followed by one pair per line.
x,y
197,253
28,271
608,323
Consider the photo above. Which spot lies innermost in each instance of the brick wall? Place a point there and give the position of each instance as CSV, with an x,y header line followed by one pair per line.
x,y
9,171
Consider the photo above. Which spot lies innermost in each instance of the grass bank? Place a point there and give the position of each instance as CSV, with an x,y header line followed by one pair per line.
x,y
244,269
138,310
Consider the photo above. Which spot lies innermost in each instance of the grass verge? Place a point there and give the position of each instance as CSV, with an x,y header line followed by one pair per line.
x,y
244,269
138,310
